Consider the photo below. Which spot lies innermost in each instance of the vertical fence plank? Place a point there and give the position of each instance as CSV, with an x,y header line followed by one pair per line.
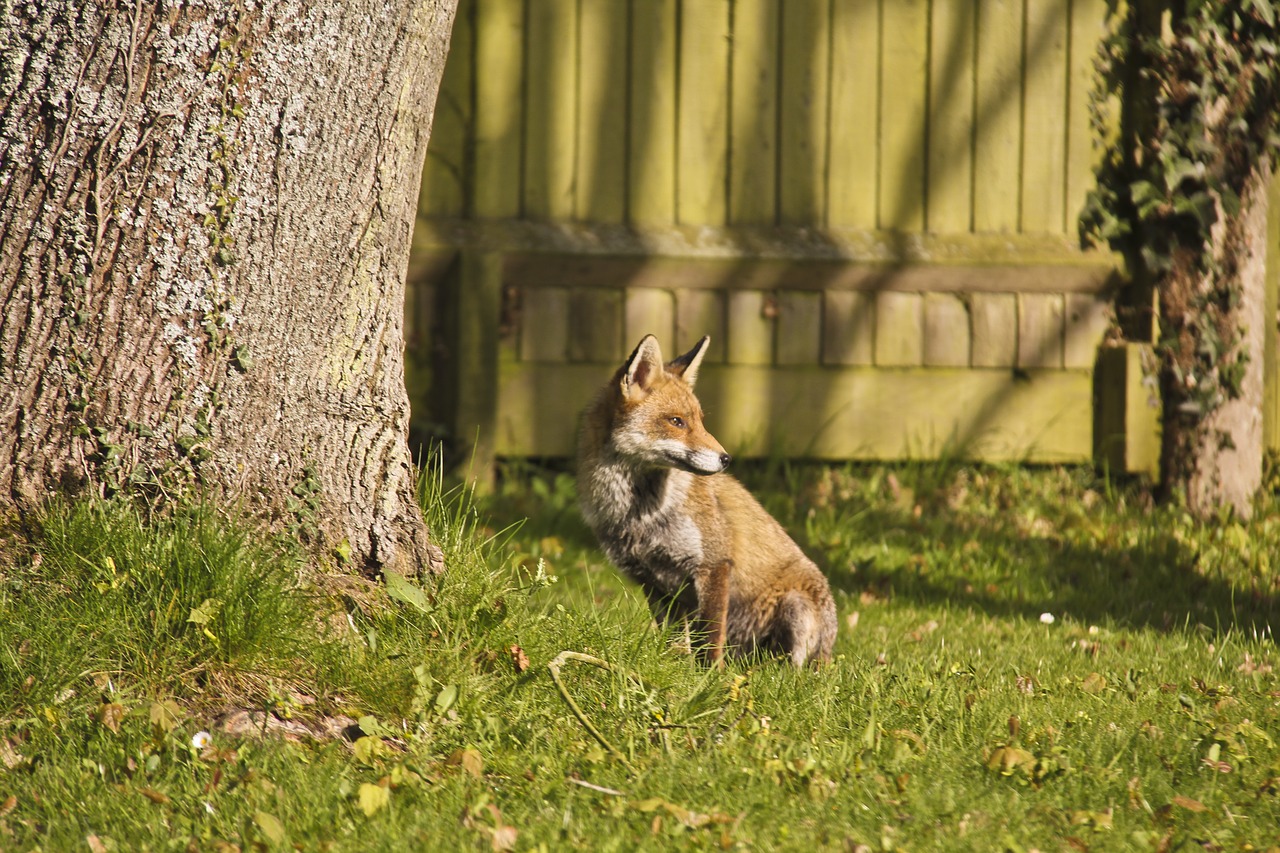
x,y
1088,318
651,167
753,139
595,324
994,323
1044,132
1040,326
698,313
996,186
951,127
444,173
1088,26
903,93
550,110
854,157
703,113
848,327
649,311
799,327
804,103
544,323
498,99
899,330
946,331
750,327
478,309
602,120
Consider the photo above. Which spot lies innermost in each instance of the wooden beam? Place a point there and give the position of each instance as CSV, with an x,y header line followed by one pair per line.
x,y
824,413
544,269
1127,411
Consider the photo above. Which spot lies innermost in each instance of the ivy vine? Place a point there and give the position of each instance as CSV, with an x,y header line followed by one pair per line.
x,y
1199,84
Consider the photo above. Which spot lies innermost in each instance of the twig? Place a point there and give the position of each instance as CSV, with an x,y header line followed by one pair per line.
x,y
602,789
554,666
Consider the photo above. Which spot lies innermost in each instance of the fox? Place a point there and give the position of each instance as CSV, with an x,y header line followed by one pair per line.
x,y
652,487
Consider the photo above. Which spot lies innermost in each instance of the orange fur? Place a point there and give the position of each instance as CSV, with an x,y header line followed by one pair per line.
x,y
652,486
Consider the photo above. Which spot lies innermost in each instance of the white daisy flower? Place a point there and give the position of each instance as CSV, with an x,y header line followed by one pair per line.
x,y
200,740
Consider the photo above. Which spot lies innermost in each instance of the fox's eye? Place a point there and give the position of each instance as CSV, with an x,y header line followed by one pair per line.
x,y
678,423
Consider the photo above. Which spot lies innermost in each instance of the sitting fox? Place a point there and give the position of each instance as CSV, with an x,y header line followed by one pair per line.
x,y
652,487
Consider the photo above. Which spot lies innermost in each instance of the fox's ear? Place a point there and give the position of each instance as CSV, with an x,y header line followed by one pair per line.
x,y
686,366
644,366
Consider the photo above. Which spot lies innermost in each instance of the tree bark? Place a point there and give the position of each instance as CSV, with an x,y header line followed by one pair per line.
x,y
1215,459
205,217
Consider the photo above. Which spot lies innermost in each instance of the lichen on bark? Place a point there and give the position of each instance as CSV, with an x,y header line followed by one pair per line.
x,y
205,206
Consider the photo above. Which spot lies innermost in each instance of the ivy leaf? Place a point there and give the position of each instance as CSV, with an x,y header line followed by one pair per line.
x,y
1265,11
1181,169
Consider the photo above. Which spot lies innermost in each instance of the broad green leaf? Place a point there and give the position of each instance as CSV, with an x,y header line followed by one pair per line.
x,y
270,826
165,716
373,798
469,760
205,613
409,593
446,697
367,749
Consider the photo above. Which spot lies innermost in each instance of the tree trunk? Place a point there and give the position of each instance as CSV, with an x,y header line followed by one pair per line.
x,y
205,217
1215,459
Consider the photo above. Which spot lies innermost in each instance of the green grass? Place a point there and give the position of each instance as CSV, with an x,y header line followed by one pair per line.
x,y
1144,716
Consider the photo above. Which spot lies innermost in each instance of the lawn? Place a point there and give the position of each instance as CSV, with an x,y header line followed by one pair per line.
x,y
1027,659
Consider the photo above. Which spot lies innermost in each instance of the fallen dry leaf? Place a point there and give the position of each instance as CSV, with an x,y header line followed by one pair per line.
x,y
110,714
519,659
920,633
154,796
10,803
1249,667
504,838
1093,684
469,760
9,756
1007,759
1189,804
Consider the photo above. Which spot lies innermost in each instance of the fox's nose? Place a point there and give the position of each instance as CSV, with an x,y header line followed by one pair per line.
x,y
725,459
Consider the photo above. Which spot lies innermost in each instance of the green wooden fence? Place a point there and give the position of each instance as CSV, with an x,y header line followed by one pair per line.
x,y
870,205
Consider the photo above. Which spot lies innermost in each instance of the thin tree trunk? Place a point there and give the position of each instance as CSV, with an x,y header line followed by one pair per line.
x,y
1216,459
205,217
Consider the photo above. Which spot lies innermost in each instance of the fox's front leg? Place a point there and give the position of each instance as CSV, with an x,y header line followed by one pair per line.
x,y
711,583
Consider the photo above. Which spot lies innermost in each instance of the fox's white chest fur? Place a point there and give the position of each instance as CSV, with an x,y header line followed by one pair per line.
x,y
640,519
